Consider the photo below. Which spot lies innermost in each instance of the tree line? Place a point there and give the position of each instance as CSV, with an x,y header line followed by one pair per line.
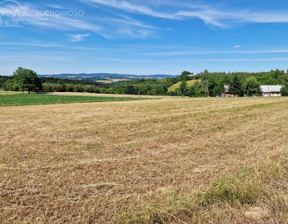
x,y
238,83
27,80
205,84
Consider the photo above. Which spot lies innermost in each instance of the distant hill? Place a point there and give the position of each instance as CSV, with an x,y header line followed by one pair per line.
x,y
107,76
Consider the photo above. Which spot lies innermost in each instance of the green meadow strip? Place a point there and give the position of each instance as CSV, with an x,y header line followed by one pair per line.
x,y
40,99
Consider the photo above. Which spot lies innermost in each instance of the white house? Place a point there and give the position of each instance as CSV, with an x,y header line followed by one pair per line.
x,y
267,90
273,90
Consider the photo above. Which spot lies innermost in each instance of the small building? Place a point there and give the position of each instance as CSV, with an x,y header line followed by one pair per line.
x,y
271,90
267,90
227,94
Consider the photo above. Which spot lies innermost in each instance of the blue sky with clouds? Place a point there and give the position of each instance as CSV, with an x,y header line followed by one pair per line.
x,y
143,37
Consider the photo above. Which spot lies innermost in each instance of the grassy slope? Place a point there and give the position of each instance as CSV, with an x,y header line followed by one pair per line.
x,y
38,99
165,161
177,85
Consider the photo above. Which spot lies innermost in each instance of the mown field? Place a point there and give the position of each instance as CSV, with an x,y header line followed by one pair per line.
x,y
153,161
8,99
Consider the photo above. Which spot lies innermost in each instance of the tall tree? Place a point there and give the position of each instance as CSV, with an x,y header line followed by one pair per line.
x,y
197,90
252,87
185,74
235,87
27,80
284,90
219,89
183,86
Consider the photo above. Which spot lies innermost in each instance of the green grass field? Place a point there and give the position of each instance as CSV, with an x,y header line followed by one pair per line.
x,y
39,99
177,85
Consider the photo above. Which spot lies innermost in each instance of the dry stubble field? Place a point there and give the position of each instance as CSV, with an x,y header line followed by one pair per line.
x,y
155,161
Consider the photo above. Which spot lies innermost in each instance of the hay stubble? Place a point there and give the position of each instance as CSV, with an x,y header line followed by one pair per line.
x,y
92,163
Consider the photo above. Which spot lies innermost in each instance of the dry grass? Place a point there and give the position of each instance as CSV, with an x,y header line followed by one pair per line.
x,y
155,161
8,92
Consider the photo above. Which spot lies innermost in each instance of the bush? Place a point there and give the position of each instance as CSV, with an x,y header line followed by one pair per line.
x,y
78,88
47,87
252,87
89,89
69,87
197,90
58,88
235,191
284,90
173,93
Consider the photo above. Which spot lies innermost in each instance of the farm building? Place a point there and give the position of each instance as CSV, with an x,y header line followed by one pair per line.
x,y
227,94
273,90
267,90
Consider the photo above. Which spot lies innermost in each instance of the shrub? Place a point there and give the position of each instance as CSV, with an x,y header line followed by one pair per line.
x,y
284,90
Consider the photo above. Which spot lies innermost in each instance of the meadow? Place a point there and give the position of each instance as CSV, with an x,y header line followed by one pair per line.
x,y
8,99
176,86
172,160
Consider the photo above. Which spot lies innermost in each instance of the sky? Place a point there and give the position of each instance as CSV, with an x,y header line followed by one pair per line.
x,y
143,37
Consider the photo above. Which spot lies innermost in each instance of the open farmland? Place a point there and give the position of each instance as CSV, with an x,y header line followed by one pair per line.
x,y
152,161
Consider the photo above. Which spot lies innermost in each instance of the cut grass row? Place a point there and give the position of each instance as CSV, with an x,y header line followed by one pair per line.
x,y
256,186
40,99
174,160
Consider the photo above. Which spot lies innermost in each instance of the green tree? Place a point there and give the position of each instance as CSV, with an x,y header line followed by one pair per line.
x,y
197,90
206,72
183,87
252,87
47,87
78,88
27,80
284,90
235,87
184,75
218,90
11,85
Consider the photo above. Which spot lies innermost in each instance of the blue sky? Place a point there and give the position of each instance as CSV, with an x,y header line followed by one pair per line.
x,y
143,37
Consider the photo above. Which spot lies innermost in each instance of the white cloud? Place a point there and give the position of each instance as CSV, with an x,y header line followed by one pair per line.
x,y
237,46
131,22
28,44
199,52
210,15
119,26
232,60
54,6
78,37
135,8
66,23
107,27
28,16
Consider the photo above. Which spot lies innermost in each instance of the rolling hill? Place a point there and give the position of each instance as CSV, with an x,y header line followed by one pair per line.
x,y
177,85
106,76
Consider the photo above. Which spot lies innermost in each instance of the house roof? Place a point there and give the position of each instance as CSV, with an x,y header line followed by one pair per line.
x,y
272,88
264,88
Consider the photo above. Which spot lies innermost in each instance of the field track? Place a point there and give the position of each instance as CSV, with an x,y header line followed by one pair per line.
x,y
141,161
